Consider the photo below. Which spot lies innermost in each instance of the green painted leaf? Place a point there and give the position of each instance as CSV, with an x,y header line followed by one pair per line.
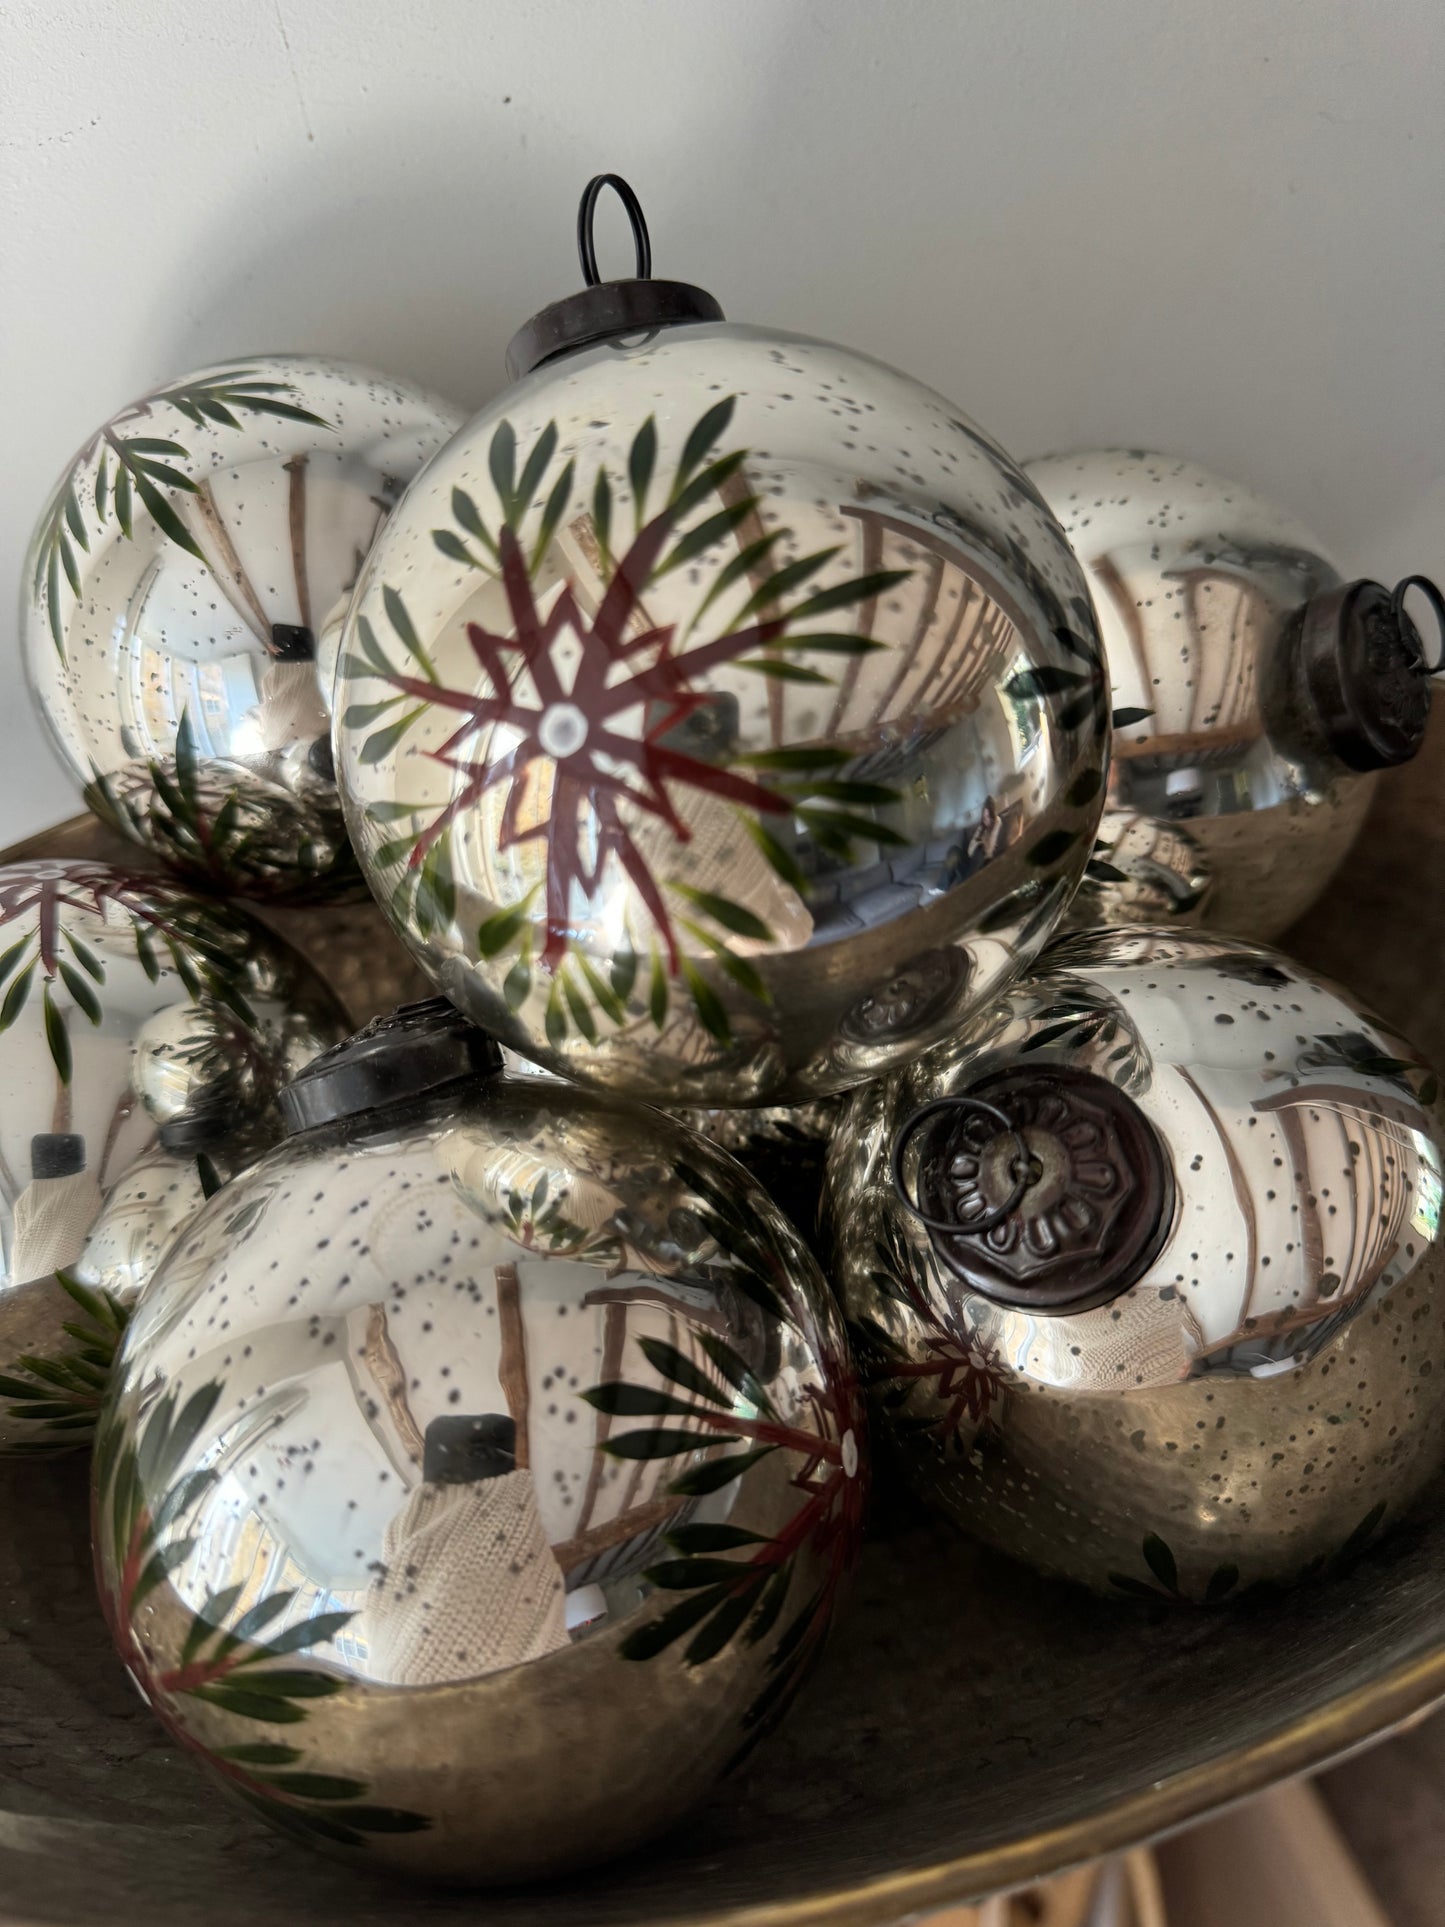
x,y
1125,718
768,595
380,744
1222,1582
783,861
738,567
57,1037
396,615
102,485
358,715
1136,1588
386,1819
650,1640
502,464
686,1575
75,521
601,990
370,647
801,758
717,1473
741,971
552,514
13,955
123,501
624,973
466,512
581,1013
81,991
164,515
68,562
306,1634
864,795
87,959
602,512
839,826
692,1539
771,1605
656,998
502,928
661,1444
250,1706
703,535
724,910
843,595
1076,713
707,430
717,1631
535,468
707,483
316,1786
679,1369
555,1022
1160,1561
517,983
620,1400
453,548
738,1373
641,460
166,477
711,1012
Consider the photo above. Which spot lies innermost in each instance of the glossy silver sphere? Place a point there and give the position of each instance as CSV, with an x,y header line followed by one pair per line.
x,y
1221,811
483,1470
1173,1316
175,587
721,717
144,1035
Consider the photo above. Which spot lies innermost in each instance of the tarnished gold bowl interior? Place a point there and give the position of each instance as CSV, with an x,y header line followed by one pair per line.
x,y
970,1727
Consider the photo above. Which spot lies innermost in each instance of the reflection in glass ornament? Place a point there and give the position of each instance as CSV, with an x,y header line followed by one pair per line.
x,y
1149,1257
496,1440
176,584
707,680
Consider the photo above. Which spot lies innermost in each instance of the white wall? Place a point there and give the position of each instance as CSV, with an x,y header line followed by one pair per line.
x,y
1216,226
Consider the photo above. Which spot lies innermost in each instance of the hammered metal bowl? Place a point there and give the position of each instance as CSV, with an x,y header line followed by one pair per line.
x,y
971,1726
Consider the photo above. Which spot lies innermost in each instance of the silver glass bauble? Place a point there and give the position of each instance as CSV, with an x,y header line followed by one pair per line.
x,y
482,1472
144,1035
722,715
1254,693
1146,1267
175,587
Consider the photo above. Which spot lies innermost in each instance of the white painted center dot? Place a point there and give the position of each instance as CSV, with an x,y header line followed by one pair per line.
x,y
850,1454
562,730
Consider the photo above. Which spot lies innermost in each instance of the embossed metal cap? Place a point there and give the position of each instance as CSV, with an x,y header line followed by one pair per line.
x,y
606,309
1361,674
1045,1190
419,1048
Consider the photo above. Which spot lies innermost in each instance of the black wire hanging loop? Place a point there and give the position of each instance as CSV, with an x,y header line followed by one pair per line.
x,y
1021,1169
1406,626
586,219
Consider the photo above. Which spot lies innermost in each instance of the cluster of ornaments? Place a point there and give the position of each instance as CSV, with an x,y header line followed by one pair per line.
x,y
722,721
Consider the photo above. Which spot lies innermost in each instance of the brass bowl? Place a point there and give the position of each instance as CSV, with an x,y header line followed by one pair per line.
x,y
971,1728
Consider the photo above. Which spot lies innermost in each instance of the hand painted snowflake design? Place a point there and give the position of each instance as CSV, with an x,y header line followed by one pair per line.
x,y
619,738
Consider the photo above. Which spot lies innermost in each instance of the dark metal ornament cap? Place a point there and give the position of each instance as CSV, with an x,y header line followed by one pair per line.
x,y
1362,671
419,1048
605,310
1044,1190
